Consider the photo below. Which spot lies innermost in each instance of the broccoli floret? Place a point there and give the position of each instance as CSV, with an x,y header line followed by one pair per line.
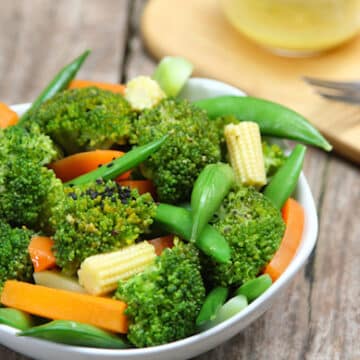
x,y
274,158
254,228
84,119
17,142
193,143
97,218
164,301
15,262
28,190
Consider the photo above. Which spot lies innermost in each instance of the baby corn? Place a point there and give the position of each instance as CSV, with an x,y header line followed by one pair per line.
x,y
100,274
245,151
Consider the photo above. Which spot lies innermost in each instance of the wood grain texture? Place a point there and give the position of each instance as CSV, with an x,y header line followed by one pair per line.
x,y
219,51
317,317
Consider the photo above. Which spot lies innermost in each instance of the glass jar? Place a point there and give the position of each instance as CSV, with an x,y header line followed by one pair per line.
x,y
295,27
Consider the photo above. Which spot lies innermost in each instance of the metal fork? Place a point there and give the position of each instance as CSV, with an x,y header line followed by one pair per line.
x,y
336,90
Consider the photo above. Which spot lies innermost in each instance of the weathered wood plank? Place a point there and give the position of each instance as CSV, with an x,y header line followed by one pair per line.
x,y
38,37
335,315
42,36
138,61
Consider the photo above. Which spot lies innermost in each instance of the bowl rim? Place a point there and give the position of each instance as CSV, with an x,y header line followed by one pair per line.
x,y
307,244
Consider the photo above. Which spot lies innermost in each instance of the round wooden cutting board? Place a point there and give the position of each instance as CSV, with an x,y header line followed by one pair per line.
x,y
197,30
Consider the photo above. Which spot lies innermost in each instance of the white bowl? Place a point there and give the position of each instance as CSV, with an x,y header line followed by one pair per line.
x,y
196,88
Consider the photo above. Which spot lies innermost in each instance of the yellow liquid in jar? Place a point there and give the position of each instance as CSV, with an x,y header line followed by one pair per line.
x,y
295,25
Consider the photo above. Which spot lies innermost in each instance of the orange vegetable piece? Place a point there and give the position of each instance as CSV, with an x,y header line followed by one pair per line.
x,y
40,250
162,243
58,304
293,215
143,186
116,88
8,117
78,164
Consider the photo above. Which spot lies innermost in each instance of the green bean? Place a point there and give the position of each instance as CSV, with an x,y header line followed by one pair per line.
x,y
60,82
285,179
178,221
273,119
212,304
210,188
15,318
118,166
74,333
252,289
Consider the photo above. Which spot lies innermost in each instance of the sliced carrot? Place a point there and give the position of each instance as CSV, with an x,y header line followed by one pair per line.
x,y
293,215
58,304
116,88
78,164
40,250
143,186
162,243
8,117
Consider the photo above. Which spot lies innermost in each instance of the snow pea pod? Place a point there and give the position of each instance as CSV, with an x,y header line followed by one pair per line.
x,y
120,165
59,82
252,289
273,119
15,318
210,188
75,333
226,311
212,304
178,221
286,178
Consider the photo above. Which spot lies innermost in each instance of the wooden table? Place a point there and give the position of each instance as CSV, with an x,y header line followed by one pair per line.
x,y
318,316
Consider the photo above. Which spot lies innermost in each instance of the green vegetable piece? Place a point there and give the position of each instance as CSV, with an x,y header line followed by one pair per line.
x,y
228,310
60,82
286,178
124,163
212,305
15,318
74,333
273,119
178,221
252,289
172,74
210,188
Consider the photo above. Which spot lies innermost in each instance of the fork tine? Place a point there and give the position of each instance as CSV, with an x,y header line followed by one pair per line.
x,y
353,99
341,85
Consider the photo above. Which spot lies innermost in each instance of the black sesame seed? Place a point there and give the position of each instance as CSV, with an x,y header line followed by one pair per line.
x,y
99,181
72,195
100,165
109,165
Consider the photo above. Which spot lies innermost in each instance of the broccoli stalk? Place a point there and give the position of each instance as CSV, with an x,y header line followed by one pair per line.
x,y
164,301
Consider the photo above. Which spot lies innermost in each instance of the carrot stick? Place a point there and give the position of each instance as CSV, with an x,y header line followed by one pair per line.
x,y
116,88
143,186
7,116
162,243
293,215
58,304
78,164
40,250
